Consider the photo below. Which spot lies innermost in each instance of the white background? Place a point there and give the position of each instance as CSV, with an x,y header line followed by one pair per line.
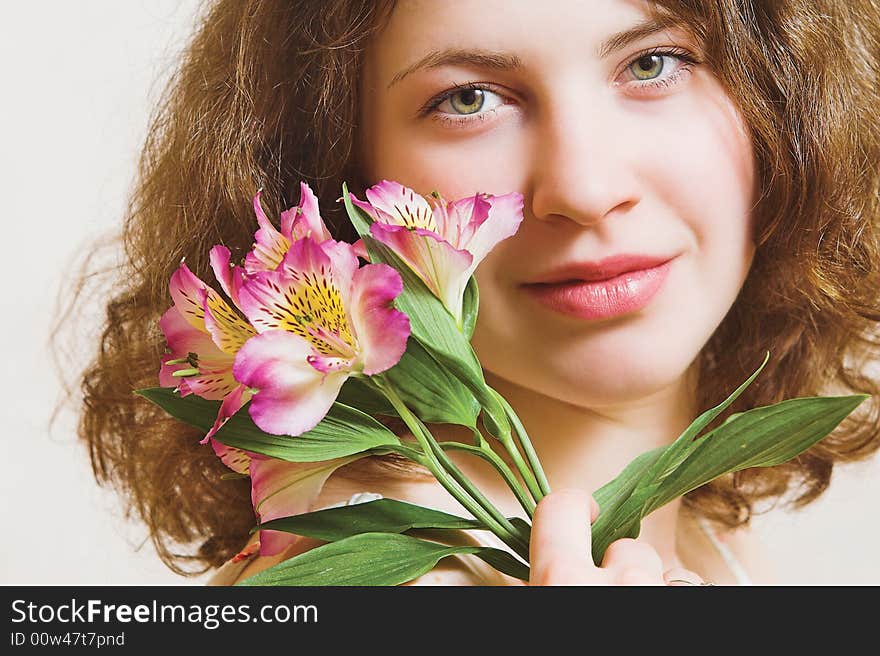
x,y
79,82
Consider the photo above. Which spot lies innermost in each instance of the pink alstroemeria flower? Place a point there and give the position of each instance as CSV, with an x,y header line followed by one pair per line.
x,y
203,334
321,319
279,488
442,243
270,245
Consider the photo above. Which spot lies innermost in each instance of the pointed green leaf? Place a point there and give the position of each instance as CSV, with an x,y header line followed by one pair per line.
x,y
380,516
430,391
375,559
434,327
360,219
760,437
358,393
679,450
471,307
343,432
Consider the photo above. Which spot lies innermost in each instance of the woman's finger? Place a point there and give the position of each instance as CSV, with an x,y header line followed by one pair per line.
x,y
560,541
631,562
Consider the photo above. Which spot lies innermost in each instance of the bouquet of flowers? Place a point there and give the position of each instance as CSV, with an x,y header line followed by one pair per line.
x,y
287,373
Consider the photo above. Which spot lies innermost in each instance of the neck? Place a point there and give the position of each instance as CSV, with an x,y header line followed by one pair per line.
x,y
581,447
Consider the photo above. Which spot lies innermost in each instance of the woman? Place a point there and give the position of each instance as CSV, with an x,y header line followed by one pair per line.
x,y
711,139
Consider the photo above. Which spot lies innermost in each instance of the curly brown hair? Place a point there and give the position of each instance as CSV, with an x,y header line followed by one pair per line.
x,y
267,95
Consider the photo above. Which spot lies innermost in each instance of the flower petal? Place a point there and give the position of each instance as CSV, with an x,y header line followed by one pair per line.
x,y
305,219
183,339
232,403
360,250
238,460
184,287
443,268
281,489
269,244
505,216
293,397
228,330
214,380
381,330
230,277
459,219
306,296
395,204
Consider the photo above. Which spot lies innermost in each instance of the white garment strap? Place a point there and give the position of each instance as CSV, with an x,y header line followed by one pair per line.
x,y
735,567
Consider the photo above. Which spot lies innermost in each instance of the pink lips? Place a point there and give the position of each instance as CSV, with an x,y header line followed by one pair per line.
x,y
614,286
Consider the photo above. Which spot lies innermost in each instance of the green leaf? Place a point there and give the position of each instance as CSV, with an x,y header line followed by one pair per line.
x,y
760,437
615,493
375,559
678,451
434,327
382,516
432,324
358,393
360,219
470,307
343,432
430,391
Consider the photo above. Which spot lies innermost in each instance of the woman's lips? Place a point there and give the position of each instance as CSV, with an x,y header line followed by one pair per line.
x,y
602,299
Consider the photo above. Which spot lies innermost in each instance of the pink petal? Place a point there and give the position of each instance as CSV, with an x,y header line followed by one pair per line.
x,y
214,381
343,263
505,216
399,205
309,306
281,489
182,339
328,364
231,404
443,268
293,397
269,244
304,220
228,330
238,460
461,218
184,287
229,277
360,250
381,330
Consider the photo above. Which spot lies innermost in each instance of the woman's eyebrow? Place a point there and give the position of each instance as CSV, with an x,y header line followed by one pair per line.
x,y
499,61
504,61
639,31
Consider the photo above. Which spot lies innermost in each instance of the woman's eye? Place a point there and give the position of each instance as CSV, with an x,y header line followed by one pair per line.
x,y
473,102
645,68
464,104
660,68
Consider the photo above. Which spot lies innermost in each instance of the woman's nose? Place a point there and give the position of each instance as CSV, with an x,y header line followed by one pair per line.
x,y
583,169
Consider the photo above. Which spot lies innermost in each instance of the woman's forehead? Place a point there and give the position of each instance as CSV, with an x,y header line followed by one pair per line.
x,y
431,33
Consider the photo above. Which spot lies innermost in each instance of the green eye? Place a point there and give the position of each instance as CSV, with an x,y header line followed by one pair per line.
x,y
647,67
473,100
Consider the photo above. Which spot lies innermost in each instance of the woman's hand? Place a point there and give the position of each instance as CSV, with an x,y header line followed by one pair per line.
x,y
560,549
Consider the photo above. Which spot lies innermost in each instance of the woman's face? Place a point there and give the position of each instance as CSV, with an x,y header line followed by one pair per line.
x,y
615,152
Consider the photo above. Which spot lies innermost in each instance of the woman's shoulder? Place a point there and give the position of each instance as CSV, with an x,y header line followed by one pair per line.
x,y
724,556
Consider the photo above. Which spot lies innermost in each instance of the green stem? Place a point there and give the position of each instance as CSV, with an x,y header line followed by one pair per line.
x,y
462,490
486,453
527,447
522,541
523,469
473,490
